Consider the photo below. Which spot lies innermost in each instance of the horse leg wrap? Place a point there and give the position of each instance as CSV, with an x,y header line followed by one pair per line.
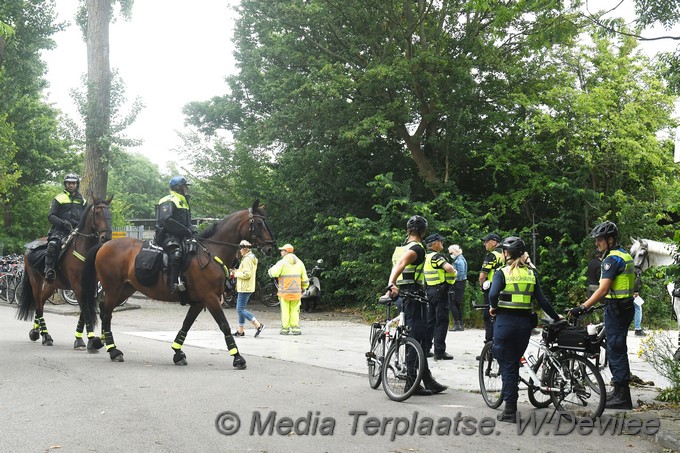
x,y
79,343
79,328
179,340
115,354
231,344
180,357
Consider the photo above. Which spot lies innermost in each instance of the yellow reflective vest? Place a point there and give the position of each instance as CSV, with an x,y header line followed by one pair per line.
x,y
292,276
519,288
623,284
411,273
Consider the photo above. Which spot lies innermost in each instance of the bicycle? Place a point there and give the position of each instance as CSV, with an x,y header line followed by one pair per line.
x,y
396,360
69,296
557,375
599,358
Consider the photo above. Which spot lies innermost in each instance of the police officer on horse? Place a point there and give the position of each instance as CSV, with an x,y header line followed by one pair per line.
x,y
173,226
65,212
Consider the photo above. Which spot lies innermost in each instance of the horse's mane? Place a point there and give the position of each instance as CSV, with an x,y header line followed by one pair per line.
x,y
210,231
88,208
83,216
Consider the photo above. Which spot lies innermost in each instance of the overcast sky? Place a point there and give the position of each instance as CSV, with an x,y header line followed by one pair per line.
x,y
170,53
173,52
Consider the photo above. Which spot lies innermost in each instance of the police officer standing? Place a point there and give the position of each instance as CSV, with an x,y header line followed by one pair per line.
x,y
407,273
173,226
435,270
513,288
65,212
492,261
616,286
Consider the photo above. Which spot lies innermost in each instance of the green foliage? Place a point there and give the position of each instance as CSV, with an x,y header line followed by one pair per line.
x,y
657,349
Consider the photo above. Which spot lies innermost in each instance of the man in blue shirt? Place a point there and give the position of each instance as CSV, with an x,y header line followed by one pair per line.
x,y
457,291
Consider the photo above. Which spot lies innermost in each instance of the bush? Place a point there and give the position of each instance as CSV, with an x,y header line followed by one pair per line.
x,y
657,349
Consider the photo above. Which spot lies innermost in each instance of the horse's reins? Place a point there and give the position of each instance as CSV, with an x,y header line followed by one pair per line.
x,y
252,230
94,235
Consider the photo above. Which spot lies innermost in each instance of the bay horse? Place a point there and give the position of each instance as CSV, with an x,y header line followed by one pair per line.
x,y
113,264
648,253
94,228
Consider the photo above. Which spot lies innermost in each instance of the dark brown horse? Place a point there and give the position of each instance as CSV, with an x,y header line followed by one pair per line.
x,y
94,228
113,264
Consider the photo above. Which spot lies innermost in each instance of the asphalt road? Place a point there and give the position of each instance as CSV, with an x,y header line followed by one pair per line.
x,y
55,398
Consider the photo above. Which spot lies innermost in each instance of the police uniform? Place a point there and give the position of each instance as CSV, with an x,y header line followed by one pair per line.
x,y
437,282
618,266
511,294
492,261
65,212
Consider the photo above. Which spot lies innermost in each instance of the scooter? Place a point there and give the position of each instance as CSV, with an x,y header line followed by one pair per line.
x,y
311,296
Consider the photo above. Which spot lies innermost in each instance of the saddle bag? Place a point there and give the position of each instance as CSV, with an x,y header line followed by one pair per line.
x,y
576,338
148,264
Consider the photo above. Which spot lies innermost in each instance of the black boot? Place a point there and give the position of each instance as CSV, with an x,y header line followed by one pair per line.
x,y
509,414
620,399
50,257
173,273
420,390
431,384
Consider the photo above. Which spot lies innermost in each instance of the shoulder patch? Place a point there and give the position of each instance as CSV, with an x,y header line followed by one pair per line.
x,y
606,266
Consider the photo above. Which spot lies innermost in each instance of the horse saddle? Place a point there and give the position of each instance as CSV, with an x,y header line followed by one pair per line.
x,y
38,249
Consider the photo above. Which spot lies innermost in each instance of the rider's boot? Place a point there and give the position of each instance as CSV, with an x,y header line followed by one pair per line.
x,y
432,385
50,258
173,273
620,399
509,414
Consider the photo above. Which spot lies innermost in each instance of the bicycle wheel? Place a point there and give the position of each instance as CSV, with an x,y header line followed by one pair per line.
x,y
490,381
538,397
4,287
403,368
376,356
68,296
268,294
582,389
19,288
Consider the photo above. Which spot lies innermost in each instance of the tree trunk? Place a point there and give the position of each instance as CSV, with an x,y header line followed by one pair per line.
x,y
97,122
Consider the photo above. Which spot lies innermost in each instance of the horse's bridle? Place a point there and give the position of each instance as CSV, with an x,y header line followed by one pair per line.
x,y
252,230
96,234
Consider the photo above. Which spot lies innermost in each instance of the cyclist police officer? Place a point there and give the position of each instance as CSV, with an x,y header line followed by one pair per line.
x,y
513,288
617,282
407,273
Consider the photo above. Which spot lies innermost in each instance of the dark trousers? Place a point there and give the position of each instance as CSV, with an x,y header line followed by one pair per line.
x,y
510,340
616,324
437,319
416,319
456,294
488,324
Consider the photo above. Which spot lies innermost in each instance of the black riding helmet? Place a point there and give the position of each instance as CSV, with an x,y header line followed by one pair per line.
x,y
417,223
514,245
605,229
72,177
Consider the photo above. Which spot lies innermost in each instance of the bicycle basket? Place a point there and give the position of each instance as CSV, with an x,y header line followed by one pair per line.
x,y
576,338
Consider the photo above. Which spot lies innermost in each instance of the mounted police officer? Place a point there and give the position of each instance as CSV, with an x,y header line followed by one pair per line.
x,y
65,212
173,226
511,293
617,284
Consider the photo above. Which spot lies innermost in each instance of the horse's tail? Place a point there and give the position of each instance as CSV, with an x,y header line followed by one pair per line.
x,y
26,308
88,285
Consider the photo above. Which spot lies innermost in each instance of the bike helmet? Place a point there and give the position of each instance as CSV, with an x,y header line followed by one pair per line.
x,y
605,229
179,181
71,177
417,223
514,245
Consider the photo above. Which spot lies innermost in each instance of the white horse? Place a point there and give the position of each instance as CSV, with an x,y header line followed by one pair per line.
x,y
647,253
